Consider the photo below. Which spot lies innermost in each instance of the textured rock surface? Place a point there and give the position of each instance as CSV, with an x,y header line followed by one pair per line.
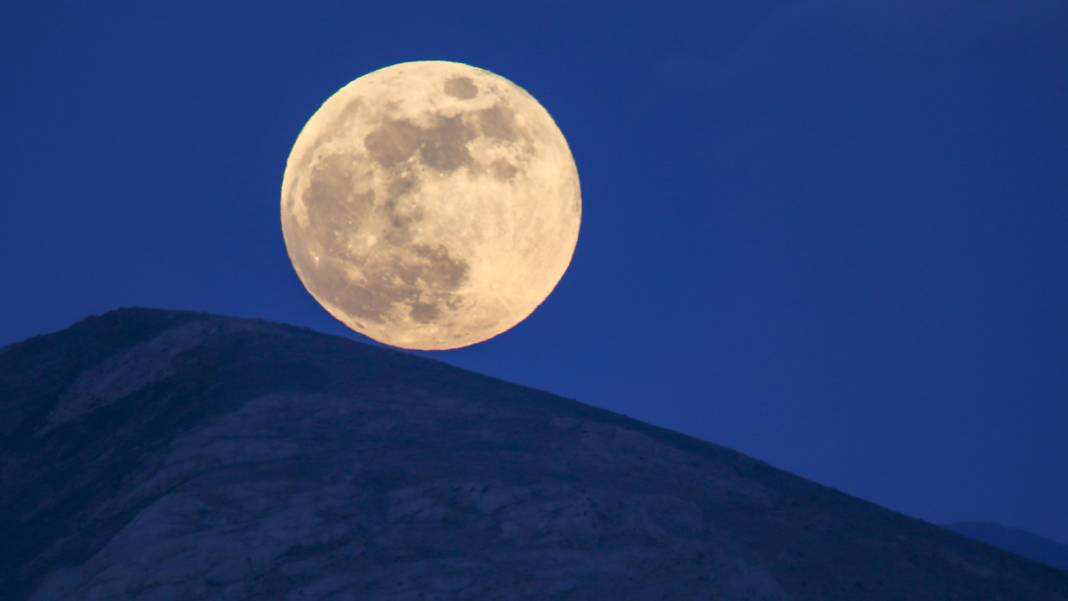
x,y
166,455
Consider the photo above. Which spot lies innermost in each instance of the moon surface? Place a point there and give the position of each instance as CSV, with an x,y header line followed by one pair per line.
x,y
431,205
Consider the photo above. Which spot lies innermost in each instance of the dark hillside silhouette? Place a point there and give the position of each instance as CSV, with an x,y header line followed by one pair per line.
x,y
168,455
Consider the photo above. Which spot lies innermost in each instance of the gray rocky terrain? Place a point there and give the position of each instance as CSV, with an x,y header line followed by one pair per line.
x,y
179,456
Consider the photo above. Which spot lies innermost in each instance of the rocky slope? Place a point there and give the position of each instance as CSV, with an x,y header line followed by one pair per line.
x,y
1020,542
167,455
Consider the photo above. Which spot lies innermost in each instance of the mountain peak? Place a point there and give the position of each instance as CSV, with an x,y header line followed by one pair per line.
x,y
175,455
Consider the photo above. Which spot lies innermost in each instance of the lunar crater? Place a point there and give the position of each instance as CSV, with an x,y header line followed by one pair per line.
x,y
498,123
461,87
503,170
444,146
393,142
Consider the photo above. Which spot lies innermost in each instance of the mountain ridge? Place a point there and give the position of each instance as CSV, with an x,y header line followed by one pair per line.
x,y
1016,540
333,469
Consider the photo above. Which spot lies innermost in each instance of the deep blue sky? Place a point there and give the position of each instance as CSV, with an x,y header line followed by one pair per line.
x,y
832,236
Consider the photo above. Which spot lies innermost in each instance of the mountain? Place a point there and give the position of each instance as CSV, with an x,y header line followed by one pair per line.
x,y
166,455
1020,542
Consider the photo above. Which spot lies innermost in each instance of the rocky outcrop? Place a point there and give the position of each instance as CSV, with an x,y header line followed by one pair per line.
x,y
166,455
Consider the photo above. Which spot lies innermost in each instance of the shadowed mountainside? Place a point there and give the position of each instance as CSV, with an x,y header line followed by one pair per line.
x,y
1020,542
165,455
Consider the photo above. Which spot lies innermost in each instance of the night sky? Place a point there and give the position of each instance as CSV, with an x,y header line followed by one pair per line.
x,y
831,236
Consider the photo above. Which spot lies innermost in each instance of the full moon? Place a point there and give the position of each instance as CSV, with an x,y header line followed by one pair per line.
x,y
431,205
